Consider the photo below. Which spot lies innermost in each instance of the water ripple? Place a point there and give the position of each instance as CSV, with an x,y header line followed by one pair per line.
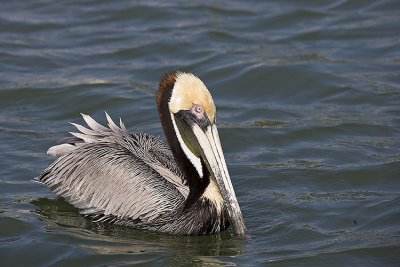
x,y
308,110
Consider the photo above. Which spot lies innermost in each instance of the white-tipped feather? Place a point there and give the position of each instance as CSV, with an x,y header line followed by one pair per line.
x,y
122,125
93,124
96,133
86,138
111,124
60,150
83,130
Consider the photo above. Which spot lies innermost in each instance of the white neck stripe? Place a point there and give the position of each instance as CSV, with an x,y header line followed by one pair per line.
x,y
193,159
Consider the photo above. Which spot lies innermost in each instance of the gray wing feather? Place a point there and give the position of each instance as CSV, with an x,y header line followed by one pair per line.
x,y
115,175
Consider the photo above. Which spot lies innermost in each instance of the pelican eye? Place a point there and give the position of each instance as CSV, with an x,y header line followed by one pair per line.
x,y
198,111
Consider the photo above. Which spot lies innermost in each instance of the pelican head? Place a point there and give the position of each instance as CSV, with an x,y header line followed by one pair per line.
x,y
188,115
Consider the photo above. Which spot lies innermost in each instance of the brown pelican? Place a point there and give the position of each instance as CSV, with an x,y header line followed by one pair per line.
x,y
136,180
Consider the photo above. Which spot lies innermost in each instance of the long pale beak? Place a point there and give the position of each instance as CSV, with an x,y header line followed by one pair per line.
x,y
214,157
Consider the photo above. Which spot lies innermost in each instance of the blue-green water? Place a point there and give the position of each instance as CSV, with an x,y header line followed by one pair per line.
x,y
308,102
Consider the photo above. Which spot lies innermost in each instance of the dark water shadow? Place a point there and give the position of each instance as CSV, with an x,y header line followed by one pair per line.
x,y
103,238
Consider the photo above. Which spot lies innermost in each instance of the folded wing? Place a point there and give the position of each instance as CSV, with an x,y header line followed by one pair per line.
x,y
113,175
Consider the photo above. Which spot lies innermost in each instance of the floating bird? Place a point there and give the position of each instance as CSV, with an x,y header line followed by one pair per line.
x,y
136,180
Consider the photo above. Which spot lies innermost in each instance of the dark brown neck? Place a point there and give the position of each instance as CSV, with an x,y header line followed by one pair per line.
x,y
196,184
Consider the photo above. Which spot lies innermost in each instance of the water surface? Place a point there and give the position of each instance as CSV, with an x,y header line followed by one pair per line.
x,y
308,101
